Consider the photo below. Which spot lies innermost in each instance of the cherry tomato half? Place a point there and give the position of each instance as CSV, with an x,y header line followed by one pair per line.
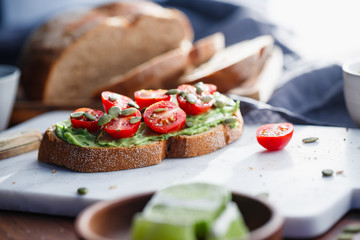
x,y
211,88
86,121
122,126
164,117
145,98
195,105
274,136
110,99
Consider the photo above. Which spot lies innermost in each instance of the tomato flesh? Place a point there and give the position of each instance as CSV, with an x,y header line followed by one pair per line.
x,y
110,99
198,107
145,98
274,136
84,122
121,127
171,118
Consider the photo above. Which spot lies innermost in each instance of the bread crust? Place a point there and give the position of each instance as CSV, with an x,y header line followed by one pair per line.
x,y
90,159
55,39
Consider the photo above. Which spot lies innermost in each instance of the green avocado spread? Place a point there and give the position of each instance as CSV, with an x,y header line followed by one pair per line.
x,y
194,125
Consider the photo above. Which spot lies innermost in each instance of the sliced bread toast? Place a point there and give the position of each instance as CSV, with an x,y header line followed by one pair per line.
x,y
103,159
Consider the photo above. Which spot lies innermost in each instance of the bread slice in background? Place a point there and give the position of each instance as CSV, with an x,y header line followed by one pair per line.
x,y
163,71
53,150
68,57
232,66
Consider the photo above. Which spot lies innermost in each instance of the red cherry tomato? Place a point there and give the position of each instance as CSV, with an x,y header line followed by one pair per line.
x,y
145,98
85,122
274,136
121,127
211,88
164,117
110,99
197,106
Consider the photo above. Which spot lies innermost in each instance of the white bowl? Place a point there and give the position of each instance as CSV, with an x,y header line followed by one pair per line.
x,y
9,78
351,74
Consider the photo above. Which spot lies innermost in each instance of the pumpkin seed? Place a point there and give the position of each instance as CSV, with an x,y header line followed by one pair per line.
x,y
183,93
89,116
106,118
82,191
219,103
198,84
134,120
352,228
76,114
207,98
191,98
172,91
345,236
114,111
230,120
113,97
160,110
327,172
189,123
128,111
133,104
310,139
199,88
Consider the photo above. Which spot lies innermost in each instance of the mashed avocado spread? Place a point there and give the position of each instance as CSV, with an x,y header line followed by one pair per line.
x,y
194,125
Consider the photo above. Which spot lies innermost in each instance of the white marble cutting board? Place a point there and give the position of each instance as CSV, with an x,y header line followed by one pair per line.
x,y
292,178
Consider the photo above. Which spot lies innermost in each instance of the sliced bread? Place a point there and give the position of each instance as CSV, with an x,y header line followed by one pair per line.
x,y
103,159
235,64
68,57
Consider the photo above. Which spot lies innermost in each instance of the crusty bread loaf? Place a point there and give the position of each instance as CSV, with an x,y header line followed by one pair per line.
x,y
72,54
89,159
232,66
163,71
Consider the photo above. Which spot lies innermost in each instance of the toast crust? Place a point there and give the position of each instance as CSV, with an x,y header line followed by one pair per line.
x,y
90,159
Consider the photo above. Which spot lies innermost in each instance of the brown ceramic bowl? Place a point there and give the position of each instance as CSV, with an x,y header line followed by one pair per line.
x,y
112,219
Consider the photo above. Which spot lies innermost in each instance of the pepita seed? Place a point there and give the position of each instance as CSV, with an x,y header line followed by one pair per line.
x,y
230,120
352,228
189,123
133,104
89,116
82,191
199,88
172,91
219,103
310,139
198,84
160,110
128,111
106,118
191,98
207,98
76,114
327,172
114,111
113,97
183,93
134,120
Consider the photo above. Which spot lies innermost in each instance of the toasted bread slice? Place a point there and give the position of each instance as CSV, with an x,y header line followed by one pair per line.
x,y
232,66
104,159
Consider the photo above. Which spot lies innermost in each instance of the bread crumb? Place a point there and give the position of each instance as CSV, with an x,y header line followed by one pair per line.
x,y
53,171
339,172
113,187
250,168
13,182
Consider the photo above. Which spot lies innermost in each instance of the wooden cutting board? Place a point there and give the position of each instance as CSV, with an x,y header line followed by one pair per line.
x,y
291,178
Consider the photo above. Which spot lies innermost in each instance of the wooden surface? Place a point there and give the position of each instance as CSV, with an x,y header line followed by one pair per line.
x,y
19,225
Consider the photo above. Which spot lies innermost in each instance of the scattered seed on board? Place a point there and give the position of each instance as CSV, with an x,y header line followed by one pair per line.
x,y
310,139
82,191
327,172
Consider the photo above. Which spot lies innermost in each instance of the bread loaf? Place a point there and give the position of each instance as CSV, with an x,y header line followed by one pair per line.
x,y
67,58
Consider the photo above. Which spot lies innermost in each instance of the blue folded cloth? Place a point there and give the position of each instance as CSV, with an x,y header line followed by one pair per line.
x,y
310,92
